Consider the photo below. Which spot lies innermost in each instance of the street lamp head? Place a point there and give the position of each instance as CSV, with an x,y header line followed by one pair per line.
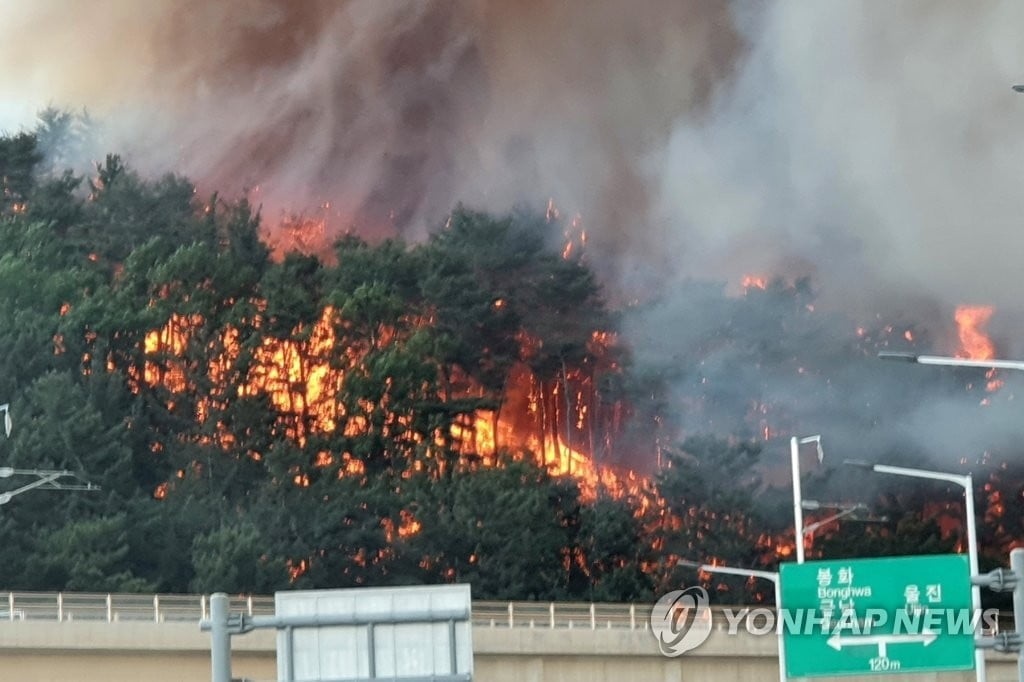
x,y
898,357
817,443
859,463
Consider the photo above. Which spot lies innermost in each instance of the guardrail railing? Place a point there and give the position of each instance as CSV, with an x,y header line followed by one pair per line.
x,y
192,608
114,608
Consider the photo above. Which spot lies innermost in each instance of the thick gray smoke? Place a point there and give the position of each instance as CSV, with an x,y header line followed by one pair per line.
x,y
389,110
876,147
879,147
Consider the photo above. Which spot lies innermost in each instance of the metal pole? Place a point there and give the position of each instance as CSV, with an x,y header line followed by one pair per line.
x,y
972,559
764,575
798,512
453,654
967,483
220,638
288,654
371,652
779,626
1017,566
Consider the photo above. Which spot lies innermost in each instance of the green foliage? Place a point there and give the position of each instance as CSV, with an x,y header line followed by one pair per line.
x,y
233,558
507,530
19,156
709,486
613,547
87,555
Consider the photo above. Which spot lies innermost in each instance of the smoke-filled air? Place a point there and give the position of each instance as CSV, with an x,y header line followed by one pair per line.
x,y
627,249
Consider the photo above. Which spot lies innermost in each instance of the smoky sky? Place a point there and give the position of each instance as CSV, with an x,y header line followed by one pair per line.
x,y
876,148
391,111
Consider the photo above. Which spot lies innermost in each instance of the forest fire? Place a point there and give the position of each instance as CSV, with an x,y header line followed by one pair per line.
x,y
302,377
373,365
302,374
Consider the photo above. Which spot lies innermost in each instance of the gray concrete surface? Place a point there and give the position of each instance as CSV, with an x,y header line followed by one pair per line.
x,y
178,652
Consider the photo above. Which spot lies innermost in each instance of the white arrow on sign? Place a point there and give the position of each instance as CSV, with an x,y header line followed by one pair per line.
x,y
837,641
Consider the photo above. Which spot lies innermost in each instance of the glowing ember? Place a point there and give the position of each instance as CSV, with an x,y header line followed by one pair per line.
x,y
993,383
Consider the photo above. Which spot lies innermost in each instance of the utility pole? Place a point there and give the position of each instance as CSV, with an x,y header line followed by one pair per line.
x,y
1007,580
220,638
46,479
1017,566
764,575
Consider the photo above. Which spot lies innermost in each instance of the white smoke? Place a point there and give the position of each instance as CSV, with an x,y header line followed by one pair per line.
x,y
877,146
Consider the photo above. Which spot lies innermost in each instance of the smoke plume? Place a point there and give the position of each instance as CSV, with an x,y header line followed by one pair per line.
x,y
391,111
874,147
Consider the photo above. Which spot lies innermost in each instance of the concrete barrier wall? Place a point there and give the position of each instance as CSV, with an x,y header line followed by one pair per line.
x,y
178,652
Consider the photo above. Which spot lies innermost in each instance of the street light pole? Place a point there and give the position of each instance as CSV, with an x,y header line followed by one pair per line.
x,y
45,479
798,503
765,575
846,510
965,481
951,362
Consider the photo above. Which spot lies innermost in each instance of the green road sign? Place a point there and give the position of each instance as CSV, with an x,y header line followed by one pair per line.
x,y
888,615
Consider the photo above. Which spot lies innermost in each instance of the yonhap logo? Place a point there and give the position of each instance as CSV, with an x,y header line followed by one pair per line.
x,y
681,620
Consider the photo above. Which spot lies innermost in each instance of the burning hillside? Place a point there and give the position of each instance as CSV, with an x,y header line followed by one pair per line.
x,y
740,198
399,412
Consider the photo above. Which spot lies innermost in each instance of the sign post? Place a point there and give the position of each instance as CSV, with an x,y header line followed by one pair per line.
x,y
877,616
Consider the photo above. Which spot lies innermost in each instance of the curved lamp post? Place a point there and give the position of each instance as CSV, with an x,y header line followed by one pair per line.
x,y
965,481
6,409
798,502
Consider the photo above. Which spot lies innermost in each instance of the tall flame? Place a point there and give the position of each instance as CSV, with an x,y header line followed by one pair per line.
x,y
302,378
974,342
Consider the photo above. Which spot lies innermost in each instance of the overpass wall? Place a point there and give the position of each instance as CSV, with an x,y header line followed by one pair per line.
x,y
33,651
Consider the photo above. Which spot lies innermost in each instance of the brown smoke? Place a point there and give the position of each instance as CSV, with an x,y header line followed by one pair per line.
x,y
877,149
391,111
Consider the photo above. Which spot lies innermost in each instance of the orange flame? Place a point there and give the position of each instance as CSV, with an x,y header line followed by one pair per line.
x,y
301,377
974,342
754,282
